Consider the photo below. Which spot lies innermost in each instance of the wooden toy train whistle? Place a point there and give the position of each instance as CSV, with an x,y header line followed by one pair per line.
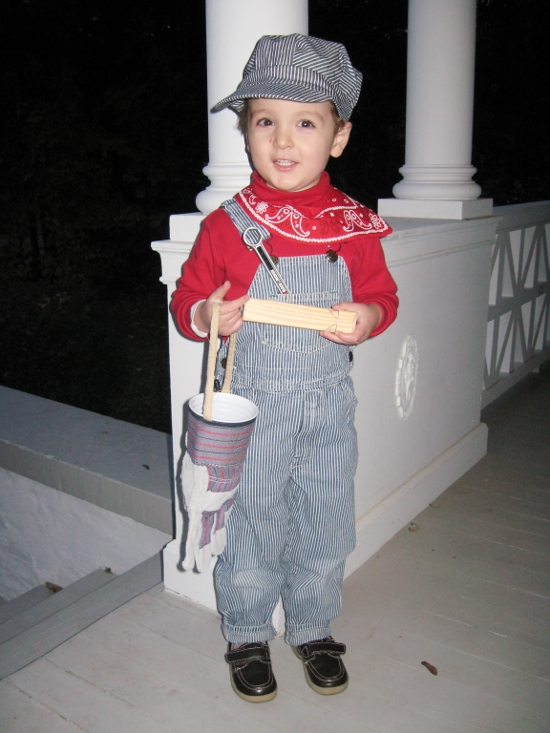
x,y
299,316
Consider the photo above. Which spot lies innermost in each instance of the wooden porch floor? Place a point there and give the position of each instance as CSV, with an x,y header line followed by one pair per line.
x,y
468,592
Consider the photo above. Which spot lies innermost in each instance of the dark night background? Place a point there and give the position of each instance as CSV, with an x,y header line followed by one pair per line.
x,y
103,119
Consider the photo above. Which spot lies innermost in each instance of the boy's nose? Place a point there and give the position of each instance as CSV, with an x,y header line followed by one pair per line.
x,y
282,139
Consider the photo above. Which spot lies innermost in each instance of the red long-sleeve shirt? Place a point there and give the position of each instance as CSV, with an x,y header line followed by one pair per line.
x,y
309,222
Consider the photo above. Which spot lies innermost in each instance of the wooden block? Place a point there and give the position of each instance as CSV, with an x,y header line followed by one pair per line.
x,y
299,316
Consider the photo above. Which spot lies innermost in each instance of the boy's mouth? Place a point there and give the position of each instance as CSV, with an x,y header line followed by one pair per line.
x,y
285,163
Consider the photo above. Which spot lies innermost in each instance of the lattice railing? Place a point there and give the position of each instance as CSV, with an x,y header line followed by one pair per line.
x,y
518,323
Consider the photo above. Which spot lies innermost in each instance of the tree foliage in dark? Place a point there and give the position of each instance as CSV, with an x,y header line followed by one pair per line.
x,y
511,142
101,112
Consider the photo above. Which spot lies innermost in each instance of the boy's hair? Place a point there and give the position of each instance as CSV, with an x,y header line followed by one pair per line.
x,y
244,117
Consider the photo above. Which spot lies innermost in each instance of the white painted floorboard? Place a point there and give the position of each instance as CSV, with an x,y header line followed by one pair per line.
x,y
468,592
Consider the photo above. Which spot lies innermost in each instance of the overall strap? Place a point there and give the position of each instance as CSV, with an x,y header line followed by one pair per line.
x,y
243,221
254,235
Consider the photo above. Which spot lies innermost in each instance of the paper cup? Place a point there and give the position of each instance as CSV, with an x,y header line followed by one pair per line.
x,y
227,408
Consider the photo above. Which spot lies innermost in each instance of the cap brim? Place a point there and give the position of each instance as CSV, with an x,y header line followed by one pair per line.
x,y
292,92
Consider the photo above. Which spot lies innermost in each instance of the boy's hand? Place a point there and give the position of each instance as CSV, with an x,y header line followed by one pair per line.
x,y
368,317
230,314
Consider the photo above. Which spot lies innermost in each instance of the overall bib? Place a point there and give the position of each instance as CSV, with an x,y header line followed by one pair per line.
x,y
293,521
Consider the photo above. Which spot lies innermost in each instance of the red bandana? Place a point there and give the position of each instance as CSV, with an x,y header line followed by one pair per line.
x,y
341,218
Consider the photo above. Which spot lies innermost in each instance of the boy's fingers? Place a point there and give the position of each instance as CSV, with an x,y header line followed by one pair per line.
x,y
220,293
338,337
343,307
233,305
231,322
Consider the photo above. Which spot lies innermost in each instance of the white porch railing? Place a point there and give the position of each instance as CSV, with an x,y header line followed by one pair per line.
x,y
518,323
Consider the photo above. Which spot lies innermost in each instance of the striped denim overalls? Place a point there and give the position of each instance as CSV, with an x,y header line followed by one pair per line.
x,y
292,524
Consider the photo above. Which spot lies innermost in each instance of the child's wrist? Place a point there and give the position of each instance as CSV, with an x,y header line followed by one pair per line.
x,y
198,324
377,311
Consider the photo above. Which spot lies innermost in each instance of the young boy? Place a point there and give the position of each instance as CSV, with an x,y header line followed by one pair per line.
x,y
293,521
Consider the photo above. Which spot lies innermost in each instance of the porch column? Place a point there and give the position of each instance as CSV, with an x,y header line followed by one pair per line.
x,y
437,175
232,29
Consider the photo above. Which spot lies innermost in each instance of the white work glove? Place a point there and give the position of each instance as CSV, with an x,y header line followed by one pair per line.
x,y
207,513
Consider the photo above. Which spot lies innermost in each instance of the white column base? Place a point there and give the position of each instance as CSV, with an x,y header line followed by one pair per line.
x,y
420,209
442,181
226,179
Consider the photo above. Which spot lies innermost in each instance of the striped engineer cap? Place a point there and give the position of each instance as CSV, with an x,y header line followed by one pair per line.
x,y
301,69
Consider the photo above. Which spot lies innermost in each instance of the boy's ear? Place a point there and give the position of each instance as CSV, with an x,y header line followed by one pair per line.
x,y
341,140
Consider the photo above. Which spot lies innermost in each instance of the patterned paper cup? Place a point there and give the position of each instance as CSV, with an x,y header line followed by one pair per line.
x,y
211,472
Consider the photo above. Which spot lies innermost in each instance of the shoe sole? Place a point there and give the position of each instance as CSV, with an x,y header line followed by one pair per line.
x,y
252,698
316,688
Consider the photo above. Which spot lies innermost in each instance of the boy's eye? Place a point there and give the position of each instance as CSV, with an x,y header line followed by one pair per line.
x,y
305,123
264,122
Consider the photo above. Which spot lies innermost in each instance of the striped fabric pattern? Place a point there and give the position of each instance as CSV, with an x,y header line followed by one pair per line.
x,y
211,471
212,522
280,359
242,220
301,69
224,478
211,444
293,520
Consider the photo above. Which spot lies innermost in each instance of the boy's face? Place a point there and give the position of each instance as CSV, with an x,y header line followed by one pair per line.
x,y
290,142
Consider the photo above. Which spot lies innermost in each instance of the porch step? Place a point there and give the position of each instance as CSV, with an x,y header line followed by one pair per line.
x,y
8,609
124,468
33,631
46,606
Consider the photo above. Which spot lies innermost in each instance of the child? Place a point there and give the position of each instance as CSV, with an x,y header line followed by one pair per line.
x,y
293,521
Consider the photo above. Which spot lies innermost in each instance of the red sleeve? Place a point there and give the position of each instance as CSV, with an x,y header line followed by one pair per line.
x,y
217,255
371,281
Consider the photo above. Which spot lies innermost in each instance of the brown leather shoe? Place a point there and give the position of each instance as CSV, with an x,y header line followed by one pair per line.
x,y
250,671
323,666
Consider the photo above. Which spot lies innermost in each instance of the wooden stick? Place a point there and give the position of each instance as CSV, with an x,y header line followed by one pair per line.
x,y
299,316
211,364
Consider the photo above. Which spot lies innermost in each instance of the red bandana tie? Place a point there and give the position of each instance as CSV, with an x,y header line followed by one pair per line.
x,y
341,218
